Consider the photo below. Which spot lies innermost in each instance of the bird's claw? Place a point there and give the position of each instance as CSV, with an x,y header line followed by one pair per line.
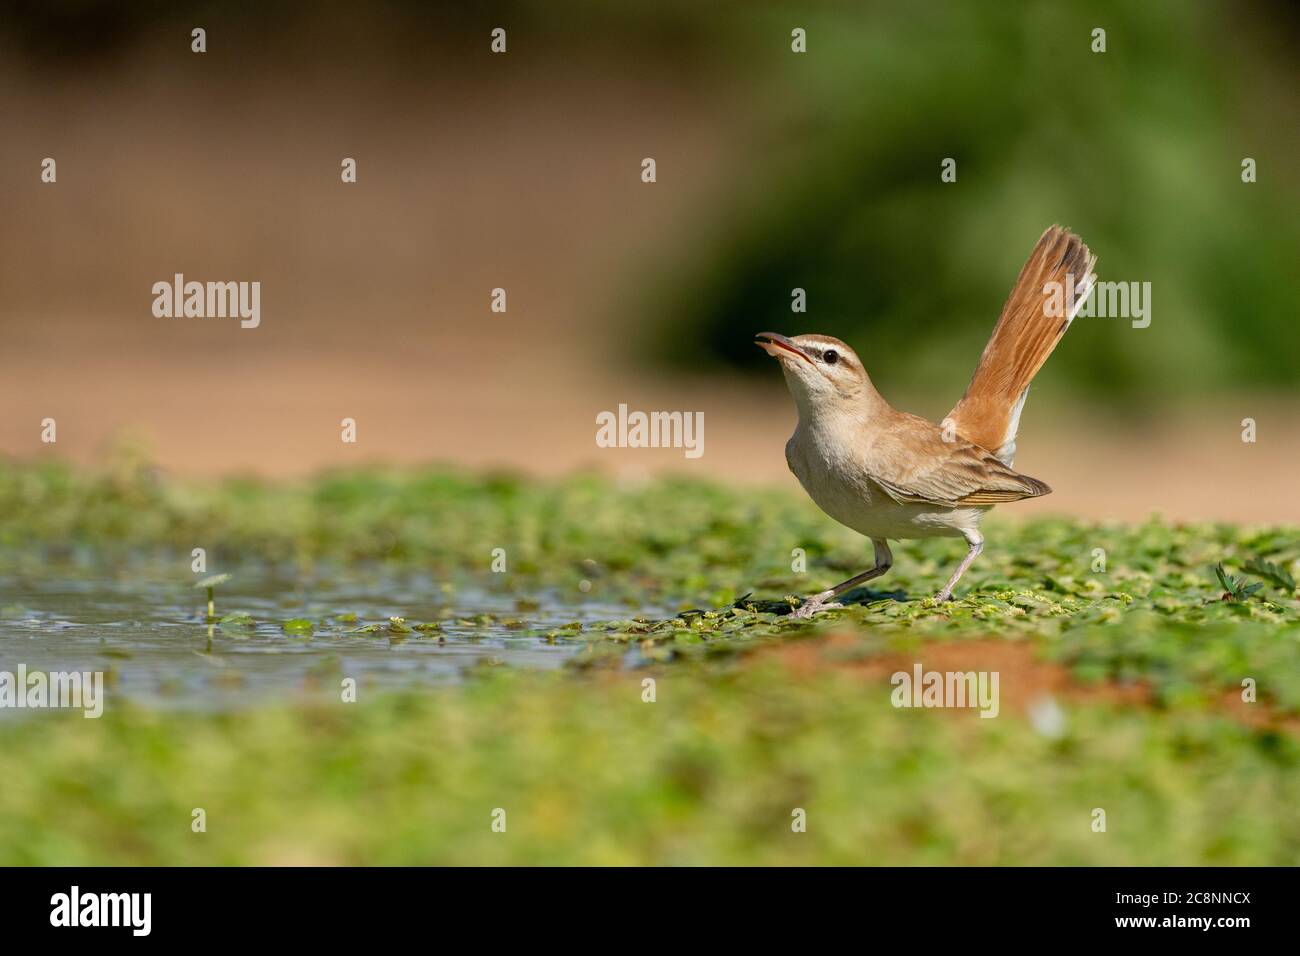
x,y
811,606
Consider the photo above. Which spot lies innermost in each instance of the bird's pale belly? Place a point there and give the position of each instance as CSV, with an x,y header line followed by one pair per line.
x,y
858,503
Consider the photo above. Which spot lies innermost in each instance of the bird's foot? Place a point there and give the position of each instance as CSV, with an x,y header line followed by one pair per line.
x,y
942,596
818,602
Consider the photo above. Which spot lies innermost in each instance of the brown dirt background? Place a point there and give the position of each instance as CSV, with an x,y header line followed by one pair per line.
x,y
375,295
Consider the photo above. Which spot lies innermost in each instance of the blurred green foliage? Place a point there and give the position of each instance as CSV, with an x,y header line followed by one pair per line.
x,y
1154,613
588,772
1138,149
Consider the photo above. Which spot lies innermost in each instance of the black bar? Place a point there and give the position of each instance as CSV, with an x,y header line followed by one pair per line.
x,y
332,906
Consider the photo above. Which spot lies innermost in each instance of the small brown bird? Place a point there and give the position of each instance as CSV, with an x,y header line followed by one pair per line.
x,y
887,474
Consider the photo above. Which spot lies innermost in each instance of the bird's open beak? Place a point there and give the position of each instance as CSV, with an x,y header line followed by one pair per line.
x,y
775,345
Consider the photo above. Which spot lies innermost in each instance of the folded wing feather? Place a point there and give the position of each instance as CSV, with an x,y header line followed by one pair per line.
x,y
912,462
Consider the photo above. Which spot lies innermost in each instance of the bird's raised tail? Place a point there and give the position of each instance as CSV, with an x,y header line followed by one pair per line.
x,y
1051,288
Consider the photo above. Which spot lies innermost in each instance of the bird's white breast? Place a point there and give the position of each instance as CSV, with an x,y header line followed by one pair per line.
x,y
841,486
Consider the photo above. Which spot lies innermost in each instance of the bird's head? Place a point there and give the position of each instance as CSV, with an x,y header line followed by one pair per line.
x,y
821,370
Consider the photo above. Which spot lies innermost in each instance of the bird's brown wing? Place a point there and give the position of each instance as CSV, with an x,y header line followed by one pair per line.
x,y
912,462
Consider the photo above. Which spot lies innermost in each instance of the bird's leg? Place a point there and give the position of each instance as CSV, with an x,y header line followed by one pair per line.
x,y
820,602
976,542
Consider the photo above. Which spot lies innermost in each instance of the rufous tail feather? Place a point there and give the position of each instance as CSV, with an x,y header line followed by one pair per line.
x,y
1051,288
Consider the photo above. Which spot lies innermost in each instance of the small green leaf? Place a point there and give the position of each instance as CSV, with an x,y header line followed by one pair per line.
x,y
1223,577
1274,573
211,581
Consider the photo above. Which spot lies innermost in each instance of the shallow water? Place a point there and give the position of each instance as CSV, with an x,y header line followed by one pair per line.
x,y
151,638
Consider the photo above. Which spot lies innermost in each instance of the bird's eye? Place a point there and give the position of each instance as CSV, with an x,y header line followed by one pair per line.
x,y
831,356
